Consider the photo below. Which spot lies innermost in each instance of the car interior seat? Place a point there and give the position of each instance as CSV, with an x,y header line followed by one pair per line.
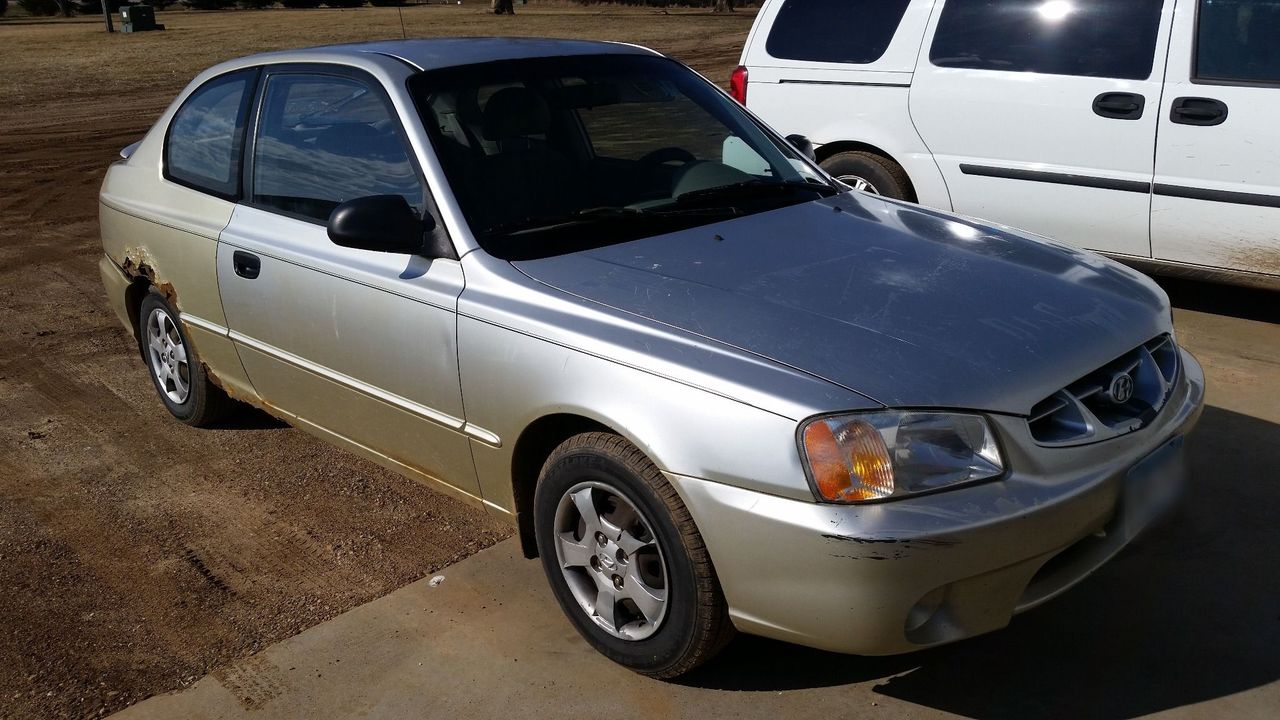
x,y
525,177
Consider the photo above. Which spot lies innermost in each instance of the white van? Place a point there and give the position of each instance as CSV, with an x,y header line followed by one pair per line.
x,y
1146,129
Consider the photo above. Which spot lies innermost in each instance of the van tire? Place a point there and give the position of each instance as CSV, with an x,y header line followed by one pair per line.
x,y
884,176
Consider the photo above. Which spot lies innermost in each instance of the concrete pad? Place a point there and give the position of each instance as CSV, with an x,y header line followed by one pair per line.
x,y
1183,624
489,641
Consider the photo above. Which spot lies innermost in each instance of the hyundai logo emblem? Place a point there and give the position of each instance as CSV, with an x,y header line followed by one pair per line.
x,y
1121,390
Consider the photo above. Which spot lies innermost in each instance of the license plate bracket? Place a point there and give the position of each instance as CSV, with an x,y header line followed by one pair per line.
x,y
1153,486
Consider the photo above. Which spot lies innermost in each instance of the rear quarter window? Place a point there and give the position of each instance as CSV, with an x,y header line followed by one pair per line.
x,y
203,146
855,32
1088,38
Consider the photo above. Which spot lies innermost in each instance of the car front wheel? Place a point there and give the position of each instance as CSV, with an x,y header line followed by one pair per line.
x,y
624,559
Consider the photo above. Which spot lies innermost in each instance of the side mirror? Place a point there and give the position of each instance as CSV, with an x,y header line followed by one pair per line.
x,y
803,144
383,223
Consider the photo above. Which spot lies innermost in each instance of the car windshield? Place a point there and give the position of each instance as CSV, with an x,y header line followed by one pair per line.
x,y
551,155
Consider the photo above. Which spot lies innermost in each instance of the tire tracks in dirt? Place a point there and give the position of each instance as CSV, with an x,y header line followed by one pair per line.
x,y
137,554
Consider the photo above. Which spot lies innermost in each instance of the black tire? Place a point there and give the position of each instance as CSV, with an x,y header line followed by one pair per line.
x,y
696,624
886,176
205,403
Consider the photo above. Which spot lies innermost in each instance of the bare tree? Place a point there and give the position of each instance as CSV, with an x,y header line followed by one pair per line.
x,y
723,6
504,7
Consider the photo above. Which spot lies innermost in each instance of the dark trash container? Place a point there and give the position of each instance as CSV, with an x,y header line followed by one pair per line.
x,y
139,18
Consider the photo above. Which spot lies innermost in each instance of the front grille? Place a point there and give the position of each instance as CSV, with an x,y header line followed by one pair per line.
x,y
1117,398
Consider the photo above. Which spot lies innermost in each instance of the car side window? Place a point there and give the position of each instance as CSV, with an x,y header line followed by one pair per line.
x,y
203,147
1238,41
325,139
1088,38
837,31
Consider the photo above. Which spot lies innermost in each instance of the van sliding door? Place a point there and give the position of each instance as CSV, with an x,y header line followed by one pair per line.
x,y
1217,179
1041,114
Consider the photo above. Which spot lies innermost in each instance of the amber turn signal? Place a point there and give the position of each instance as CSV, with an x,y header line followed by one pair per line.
x,y
850,463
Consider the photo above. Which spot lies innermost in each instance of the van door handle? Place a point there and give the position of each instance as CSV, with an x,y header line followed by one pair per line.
x,y
1119,105
246,265
1198,111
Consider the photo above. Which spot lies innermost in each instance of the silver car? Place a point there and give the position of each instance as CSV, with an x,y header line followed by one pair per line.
x,y
577,285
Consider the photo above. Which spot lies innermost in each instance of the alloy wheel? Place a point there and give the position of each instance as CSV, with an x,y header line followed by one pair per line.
x,y
611,560
168,355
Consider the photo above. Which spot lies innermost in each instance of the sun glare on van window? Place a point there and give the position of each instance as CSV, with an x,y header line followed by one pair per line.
x,y
1055,10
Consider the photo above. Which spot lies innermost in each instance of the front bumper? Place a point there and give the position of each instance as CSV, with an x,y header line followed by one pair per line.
x,y
899,576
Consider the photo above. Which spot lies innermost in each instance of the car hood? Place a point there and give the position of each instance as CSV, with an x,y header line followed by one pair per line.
x,y
907,306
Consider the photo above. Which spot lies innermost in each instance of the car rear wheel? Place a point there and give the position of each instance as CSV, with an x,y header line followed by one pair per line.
x,y
179,377
871,173
624,559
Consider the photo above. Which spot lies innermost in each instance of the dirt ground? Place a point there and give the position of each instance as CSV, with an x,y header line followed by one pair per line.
x,y
136,554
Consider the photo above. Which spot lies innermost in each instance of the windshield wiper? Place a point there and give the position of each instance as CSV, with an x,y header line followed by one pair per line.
x,y
570,218
754,188
598,214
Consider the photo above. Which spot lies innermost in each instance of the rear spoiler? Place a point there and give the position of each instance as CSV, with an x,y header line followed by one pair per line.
x,y
128,150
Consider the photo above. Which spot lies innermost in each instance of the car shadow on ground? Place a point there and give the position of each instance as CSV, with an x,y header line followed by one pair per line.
x,y
1219,299
246,417
1189,612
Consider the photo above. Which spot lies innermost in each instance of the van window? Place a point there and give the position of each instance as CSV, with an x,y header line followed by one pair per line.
x,y
1238,41
202,150
836,31
1089,38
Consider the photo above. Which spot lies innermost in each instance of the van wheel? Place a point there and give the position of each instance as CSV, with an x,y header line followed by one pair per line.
x,y
179,377
624,559
871,173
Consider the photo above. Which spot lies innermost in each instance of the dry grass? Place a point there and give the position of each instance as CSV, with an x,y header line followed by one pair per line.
x,y
52,63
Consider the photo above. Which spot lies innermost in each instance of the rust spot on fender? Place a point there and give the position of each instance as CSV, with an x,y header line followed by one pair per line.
x,y
217,381
169,294
236,395
139,264
251,400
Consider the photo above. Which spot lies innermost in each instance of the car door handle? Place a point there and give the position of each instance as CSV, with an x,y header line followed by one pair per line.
x,y
1198,111
246,265
1119,105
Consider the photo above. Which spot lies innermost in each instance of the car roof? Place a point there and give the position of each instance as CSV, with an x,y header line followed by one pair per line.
x,y
435,53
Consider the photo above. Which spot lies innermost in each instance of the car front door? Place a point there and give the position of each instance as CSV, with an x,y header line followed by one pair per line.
x,y
1041,114
1217,179
358,346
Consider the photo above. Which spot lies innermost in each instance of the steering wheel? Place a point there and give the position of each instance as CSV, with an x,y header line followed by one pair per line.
x,y
668,154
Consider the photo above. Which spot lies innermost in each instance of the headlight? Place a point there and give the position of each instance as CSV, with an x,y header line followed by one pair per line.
x,y
863,457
